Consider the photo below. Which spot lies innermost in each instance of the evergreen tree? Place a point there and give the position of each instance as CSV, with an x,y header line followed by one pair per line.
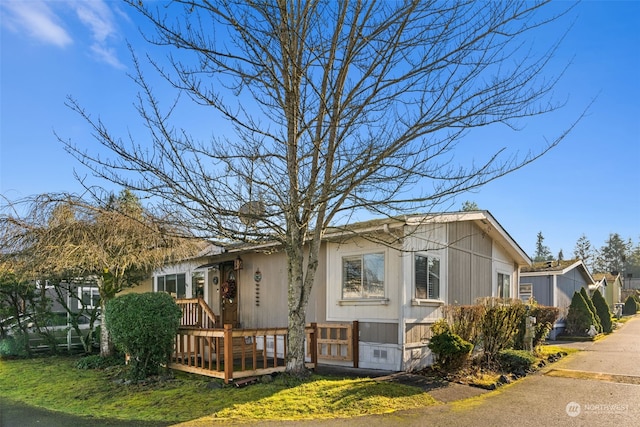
x,y
560,255
613,255
470,206
592,308
584,251
633,262
603,312
543,253
630,306
579,317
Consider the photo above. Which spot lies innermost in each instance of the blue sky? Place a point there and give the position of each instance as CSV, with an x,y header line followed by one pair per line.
x,y
589,184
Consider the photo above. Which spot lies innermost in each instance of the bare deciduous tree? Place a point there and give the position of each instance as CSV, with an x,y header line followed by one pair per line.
x,y
64,238
335,108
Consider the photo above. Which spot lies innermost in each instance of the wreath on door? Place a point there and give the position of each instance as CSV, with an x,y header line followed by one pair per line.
x,y
229,289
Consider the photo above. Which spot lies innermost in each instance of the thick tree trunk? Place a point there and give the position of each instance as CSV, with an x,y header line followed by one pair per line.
x,y
300,279
297,310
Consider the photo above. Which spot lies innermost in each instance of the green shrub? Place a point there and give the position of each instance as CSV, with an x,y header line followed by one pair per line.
x,y
545,318
515,360
630,306
451,350
500,325
98,362
579,318
602,311
13,346
145,327
465,320
592,308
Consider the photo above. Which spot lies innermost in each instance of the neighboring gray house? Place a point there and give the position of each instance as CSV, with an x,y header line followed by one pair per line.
x,y
553,283
395,289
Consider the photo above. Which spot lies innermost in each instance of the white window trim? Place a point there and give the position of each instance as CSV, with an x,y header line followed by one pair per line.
x,y
94,291
384,300
187,281
506,273
425,301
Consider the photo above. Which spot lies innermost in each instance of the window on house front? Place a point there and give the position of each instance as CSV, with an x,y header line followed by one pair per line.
x,y
197,284
363,276
504,285
88,297
526,291
174,284
427,277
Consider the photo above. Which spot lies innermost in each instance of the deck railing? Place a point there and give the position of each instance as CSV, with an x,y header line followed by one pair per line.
x,y
339,342
203,347
196,313
231,354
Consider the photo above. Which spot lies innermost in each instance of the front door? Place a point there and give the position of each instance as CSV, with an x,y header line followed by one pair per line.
x,y
229,295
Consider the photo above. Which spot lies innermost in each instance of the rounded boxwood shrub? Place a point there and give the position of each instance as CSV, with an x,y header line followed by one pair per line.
x,y
144,326
516,360
451,350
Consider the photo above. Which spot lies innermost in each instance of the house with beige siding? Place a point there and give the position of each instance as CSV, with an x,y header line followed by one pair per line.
x,y
392,276
610,286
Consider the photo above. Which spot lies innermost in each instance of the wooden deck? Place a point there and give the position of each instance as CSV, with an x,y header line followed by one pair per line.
x,y
231,354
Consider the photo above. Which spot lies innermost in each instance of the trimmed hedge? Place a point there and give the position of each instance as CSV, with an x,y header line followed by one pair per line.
x,y
144,326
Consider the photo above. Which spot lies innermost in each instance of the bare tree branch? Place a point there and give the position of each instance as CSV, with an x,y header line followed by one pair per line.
x,y
335,108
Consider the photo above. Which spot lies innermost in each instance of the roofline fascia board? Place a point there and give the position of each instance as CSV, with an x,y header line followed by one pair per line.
x,y
506,236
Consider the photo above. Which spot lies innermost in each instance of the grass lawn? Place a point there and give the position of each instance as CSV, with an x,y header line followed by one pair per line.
x,y
56,384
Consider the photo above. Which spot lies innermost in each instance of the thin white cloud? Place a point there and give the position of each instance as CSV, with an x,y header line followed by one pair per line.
x,y
36,19
50,22
98,18
107,55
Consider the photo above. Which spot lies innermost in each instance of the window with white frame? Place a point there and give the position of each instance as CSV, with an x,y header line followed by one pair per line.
x,y
174,284
504,285
426,277
363,276
88,297
526,291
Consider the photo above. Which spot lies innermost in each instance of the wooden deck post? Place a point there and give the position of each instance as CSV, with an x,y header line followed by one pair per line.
x,y
314,345
228,353
355,343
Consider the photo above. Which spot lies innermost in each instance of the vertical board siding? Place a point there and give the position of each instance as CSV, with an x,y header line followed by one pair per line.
x,y
470,268
481,283
418,332
459,277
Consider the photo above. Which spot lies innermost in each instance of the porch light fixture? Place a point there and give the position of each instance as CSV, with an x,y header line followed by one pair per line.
x,y
237,264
